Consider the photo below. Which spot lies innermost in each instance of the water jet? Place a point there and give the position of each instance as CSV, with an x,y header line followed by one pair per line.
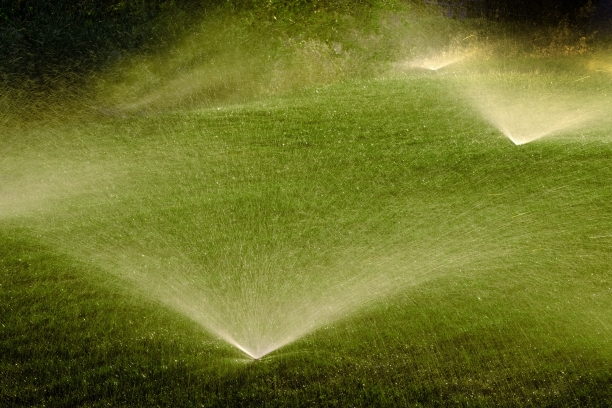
x,y
524,113
437,61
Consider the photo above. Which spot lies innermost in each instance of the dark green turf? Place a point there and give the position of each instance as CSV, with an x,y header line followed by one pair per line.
x,y
387,165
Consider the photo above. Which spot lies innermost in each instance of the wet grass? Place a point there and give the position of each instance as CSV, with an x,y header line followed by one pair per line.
x,y
513,310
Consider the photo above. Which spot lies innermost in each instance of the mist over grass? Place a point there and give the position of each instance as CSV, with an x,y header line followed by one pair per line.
x,y
298,209
237,56
232,53
442,262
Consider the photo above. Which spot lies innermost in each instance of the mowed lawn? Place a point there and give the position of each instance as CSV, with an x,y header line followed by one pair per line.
x,y
410,252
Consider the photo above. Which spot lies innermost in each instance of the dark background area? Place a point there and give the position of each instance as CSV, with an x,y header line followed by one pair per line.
x,y
537,11
42,40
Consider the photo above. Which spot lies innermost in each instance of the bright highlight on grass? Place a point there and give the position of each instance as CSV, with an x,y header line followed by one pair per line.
x,y
601,65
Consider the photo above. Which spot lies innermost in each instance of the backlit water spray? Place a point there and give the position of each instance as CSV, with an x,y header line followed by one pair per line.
x,y
212,214
173,236
260,301
263,310
524,113
438,61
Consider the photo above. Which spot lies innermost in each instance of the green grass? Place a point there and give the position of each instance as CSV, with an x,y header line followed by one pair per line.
x,y
491,261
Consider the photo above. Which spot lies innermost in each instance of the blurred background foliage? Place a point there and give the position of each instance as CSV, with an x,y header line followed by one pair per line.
x,y
43,41
544,12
